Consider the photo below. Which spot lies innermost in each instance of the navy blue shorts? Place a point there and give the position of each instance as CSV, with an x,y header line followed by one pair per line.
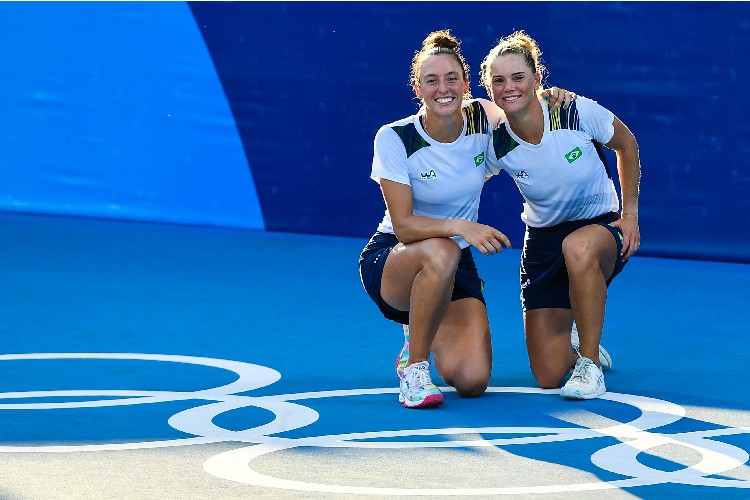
x,y
544,277
373,257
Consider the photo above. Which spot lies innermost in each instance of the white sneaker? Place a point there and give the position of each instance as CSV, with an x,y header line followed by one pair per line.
x,y
604,358
417,389
586,382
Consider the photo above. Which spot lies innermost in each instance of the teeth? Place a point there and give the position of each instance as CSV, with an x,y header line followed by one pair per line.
x,y
444,100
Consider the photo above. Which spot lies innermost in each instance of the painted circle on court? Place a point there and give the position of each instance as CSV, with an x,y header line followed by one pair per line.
x,y
633,437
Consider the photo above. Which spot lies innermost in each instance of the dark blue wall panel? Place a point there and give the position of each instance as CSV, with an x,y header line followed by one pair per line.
x,y
310,83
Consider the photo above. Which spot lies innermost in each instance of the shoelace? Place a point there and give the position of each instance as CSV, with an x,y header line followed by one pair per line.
x,y
420,376
580,373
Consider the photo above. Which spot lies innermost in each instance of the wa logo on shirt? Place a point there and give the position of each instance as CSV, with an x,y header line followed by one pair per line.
x,y
574,155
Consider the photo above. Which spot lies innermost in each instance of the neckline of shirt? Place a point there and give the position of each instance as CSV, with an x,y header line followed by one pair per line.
x,y
428,138
545,113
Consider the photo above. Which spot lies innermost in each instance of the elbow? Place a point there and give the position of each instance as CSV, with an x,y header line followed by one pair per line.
x,y
628,150
633,146
403,235
404,230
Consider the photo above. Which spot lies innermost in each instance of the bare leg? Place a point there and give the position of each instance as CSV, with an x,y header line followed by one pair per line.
x,y
551,354
419,278
590,256
462,349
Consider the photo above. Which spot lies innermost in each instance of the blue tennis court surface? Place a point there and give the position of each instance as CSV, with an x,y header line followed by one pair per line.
x,y
160,361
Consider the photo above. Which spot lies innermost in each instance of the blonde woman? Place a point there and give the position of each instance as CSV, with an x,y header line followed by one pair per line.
x,y
578,236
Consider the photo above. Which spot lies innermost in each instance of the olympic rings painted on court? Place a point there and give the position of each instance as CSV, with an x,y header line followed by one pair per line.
x,y
634,437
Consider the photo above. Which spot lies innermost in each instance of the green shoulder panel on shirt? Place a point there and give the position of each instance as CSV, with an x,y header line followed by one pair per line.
x,y
413,142
502,142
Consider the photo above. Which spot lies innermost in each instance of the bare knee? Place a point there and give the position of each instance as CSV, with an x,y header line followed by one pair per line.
x,y
473,388
469,382
548,378
441,255
578,253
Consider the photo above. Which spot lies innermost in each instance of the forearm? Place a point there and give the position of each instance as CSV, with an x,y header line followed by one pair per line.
x,y
629,170
411,228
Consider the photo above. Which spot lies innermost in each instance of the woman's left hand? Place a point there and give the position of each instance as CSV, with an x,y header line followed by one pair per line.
x,y
631,234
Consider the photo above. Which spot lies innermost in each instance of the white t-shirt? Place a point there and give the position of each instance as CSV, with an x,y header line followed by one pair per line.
x,y
564,177
445,179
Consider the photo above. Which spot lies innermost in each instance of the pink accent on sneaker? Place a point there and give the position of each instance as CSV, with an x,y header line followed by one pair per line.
x,y
431,401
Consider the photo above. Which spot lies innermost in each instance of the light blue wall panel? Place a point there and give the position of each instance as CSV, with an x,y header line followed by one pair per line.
x,y
114,109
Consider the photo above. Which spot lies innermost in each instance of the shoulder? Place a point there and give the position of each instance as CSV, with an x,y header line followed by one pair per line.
x,y
401,134
391,131
579,116
489,106
487,109
402,122
587,106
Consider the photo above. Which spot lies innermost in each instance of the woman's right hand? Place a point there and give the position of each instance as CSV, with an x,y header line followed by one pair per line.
x,y
557,97
484,238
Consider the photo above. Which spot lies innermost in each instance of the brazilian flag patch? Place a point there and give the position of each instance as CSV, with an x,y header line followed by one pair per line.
x,y
478,159
573,155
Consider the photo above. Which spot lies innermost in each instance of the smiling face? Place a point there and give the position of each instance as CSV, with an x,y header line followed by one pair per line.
x,y
442,85
513,84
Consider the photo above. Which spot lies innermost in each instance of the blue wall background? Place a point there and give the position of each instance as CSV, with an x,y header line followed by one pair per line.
x,y
262,114
115,110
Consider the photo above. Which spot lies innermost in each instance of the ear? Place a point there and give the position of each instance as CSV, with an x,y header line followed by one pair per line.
x,y
537,81
416,91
